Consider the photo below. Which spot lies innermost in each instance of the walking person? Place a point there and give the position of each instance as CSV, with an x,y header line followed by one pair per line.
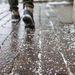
x,y
28,11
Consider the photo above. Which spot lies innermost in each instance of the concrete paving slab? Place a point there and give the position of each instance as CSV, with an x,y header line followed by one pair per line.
x,y
64,13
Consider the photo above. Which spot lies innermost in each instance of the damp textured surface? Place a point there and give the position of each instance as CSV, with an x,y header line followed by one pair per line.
x,y
49,49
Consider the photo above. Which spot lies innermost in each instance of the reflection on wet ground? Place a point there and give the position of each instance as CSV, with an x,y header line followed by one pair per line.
x,y
46,50
14,37
29,39
26,61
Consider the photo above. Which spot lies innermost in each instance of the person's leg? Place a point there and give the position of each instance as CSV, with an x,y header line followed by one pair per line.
x,y
14,10
28,12
29,3
13,5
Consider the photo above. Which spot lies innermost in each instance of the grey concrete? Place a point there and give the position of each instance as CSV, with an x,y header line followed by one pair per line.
x,y
3,1
64,13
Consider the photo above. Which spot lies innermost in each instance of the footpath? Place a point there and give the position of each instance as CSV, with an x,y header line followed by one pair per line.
x,y
49,49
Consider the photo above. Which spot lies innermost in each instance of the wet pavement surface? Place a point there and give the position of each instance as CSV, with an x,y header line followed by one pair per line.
x,y
49,49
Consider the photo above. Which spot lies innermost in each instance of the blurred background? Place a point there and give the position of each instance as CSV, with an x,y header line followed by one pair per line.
x,y
6,1
66,16
60,0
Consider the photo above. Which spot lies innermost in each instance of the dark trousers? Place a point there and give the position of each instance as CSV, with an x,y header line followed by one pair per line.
x,y
14,3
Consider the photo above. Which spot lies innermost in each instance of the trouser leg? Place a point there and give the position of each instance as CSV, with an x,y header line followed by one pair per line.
x,y
29,3
13,5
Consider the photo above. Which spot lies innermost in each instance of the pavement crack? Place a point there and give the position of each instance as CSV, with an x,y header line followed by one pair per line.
x,y
39,62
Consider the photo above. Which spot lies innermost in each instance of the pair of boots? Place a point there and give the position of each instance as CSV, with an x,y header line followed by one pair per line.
x,y
27,16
